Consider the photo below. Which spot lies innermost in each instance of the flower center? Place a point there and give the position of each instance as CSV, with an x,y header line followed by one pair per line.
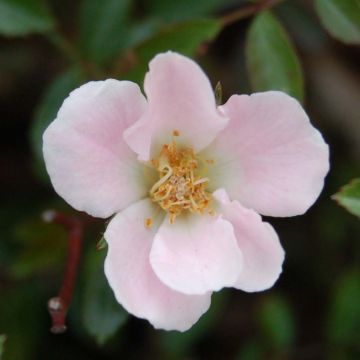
x,y
180,188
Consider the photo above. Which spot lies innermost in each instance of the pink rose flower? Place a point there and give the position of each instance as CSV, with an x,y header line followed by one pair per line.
x,y
186,181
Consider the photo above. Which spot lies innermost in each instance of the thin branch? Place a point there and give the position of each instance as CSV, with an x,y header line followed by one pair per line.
x,y
73,55
58,306
247,11
64,46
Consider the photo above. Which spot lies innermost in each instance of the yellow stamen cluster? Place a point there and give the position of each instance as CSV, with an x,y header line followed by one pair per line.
x,y
179,188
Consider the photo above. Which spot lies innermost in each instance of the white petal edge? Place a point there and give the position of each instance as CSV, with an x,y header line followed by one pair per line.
x,y
89,163
269,157
180,99
263,255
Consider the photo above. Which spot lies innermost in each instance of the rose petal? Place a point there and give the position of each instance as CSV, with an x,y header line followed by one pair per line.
x,y
269,157
180,98
89,163
132,279
196,254
262,252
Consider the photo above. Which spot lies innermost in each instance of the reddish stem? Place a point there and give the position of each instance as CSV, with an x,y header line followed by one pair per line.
x,y
58,306
247,11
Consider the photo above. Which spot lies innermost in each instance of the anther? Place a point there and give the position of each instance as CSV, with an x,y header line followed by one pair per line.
x,y
179,187
148,223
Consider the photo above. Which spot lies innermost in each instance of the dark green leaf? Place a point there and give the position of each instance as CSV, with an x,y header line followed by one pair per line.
x,y
21,17
184,38
277,323
103,28
141,31
42,246
252,350
184,9
341,18
349,197
344,316
22,313
102,314
47,110
271,60
302,25
2,345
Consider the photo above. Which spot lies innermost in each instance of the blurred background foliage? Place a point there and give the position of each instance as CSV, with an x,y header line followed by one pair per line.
x,y
308,49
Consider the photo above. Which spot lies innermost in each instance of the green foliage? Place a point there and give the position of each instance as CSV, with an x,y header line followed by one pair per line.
x,y
46,113
138,32
344,316
183,37
341,18
252,350
271,59
349,197
21,316
102,315
103,28
42,246
182,10
22,17
277,323
303,26
2,345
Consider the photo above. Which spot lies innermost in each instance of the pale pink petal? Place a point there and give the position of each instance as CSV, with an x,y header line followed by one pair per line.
x,y
269,157
88,161
263,255
132,279
196,254
180,98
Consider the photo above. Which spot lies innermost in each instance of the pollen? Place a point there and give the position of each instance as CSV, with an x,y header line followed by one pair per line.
x,y
180,187
148,223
